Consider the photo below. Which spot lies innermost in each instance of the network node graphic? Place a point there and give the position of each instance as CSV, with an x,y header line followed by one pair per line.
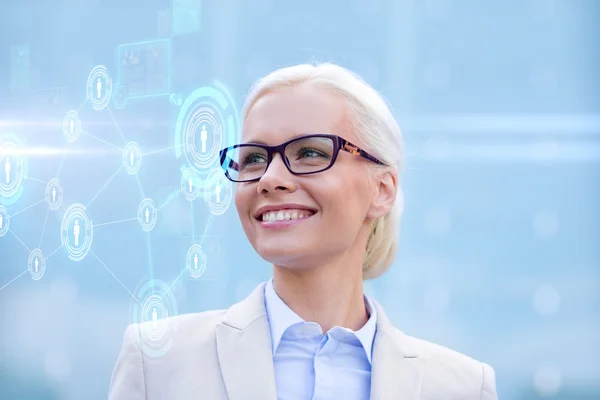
x,y
132,158
190,184
195,261
36,264
119,97
147,215
76,232
207,122
54,194
99,87
4,221
154,309
218,192
12,169
156,304
71,126
204,137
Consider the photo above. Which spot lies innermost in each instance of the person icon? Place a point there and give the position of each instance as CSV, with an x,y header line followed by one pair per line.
x,y
147,214
36,264
54,194
99,88
154,317
218,191
7,169
76,231
72,126
1,220
190,184
196,261
203,138
131,158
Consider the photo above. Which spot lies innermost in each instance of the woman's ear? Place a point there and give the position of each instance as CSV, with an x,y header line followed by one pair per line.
x,y
386,190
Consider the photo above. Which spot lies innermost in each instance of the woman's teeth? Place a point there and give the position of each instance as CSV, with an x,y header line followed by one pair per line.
x,y
285,215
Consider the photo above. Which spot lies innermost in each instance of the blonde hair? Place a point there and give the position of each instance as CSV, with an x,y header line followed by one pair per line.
x,y
376,128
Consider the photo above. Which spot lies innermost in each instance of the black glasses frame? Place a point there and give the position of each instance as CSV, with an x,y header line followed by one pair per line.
x,y
338,144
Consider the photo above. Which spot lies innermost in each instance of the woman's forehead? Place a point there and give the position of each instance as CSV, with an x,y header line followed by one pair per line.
x,y
294,111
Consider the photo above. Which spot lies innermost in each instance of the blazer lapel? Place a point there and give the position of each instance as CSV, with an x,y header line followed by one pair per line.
x,y
397,370
244,350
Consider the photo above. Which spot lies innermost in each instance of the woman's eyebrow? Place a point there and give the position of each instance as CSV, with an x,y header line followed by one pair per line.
x,y
294,136
254,142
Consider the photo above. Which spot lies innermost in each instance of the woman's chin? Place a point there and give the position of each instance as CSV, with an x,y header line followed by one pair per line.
x,y
280,252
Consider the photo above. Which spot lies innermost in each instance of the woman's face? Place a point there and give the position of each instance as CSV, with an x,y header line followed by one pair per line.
x,y
333,208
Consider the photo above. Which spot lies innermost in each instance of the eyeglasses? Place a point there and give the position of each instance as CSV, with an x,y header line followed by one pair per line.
x,y
303,155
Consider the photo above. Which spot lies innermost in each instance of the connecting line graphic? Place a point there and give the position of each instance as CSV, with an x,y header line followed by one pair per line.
x,y
124,141
14,279
27,208
62,161
82,104
169,199
185,269
149,248
137,178
106,184
101,140
44,228
116,124
35,180
51,254
28,251
19,239
115,222
125,287
161,150
192,219
111,145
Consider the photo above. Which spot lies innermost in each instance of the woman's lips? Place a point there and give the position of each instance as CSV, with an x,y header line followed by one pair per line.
x,y
280,224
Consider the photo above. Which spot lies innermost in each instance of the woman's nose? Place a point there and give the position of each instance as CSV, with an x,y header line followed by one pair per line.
x,y
276,177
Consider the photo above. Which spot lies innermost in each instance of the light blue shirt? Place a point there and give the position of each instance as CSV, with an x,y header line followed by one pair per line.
x,y
310,365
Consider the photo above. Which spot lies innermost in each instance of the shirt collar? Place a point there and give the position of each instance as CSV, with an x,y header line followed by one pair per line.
x,y
281,317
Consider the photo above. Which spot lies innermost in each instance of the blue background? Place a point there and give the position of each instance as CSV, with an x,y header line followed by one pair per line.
x,y
499,104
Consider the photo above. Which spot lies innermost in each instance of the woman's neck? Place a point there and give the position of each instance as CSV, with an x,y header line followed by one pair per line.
x,y
330,295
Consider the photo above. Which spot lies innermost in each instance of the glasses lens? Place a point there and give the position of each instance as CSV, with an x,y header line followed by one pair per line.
x,y
245,163
305,155
311,154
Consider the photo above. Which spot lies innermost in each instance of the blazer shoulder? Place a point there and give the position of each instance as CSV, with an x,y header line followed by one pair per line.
x,y
186,350
182,329
194,323
186,332
431,350
206,320
452,369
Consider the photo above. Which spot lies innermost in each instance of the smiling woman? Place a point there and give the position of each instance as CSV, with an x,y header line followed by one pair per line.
x,y
318,197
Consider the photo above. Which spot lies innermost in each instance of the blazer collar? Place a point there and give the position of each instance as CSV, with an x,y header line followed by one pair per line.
x,y
281,317
244,350
397,370
246,358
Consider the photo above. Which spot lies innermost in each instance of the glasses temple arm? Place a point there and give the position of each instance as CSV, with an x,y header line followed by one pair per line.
x,y
357,151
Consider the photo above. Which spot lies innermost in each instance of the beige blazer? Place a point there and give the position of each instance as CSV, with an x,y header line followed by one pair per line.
x,y
227,354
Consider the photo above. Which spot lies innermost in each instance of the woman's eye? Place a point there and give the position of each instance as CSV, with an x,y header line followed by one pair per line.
x,y
253,159
307,152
